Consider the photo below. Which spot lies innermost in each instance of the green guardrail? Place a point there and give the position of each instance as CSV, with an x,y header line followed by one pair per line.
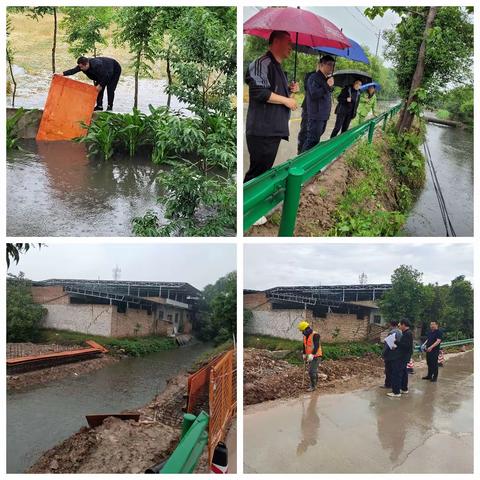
x,y
283,183
193,440
453,343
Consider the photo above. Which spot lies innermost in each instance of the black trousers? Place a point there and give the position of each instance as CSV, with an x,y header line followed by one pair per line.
x,y
432,362
302,135
263,151
110,87
388,374
399,375
315,129
341,123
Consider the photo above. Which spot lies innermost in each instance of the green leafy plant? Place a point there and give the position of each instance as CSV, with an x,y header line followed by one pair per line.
x,y
12,129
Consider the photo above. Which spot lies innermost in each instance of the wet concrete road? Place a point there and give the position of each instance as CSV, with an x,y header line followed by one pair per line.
x,y
428,431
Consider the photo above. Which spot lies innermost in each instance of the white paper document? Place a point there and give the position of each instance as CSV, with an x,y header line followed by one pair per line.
x,y
390,341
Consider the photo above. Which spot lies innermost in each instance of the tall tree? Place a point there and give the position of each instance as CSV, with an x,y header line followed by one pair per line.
x,y
10,54
84,28
405,298
431,48
138,30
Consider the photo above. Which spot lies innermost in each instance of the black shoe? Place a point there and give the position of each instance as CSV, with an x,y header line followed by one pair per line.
x,y
426,378
109,108
98,108
433,379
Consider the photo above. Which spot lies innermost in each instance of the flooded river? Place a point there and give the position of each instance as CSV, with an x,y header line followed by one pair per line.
x,y
54,189
452,157
42,417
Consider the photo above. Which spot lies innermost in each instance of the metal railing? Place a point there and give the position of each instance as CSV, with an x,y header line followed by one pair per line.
x,y
283,183
453,343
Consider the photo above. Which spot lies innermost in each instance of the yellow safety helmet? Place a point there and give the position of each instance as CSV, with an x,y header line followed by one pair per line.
x,y
303,325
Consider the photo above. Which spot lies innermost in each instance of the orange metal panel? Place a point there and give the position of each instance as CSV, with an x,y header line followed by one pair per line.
x,y
54,355
69,103
96,345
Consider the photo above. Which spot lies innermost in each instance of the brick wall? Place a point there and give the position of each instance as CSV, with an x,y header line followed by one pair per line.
x,y
256,301
94,319
53,295
135,322
283,324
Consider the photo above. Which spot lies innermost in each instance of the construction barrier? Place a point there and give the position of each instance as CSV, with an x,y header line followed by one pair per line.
x,y
283,183
453,343
69,104
222,402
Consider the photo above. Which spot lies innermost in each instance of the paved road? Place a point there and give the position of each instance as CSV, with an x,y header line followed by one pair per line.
x,y
428,431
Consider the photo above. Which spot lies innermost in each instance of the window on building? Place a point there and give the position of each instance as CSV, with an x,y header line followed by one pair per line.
x,y
377,319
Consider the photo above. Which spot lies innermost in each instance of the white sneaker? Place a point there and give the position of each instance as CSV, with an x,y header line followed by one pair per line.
x,y
260,221
404,391
395,395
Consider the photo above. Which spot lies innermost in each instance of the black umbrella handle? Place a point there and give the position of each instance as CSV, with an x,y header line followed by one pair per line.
x,y
295,63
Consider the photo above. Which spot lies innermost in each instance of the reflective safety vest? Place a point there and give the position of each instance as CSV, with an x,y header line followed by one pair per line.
x,y
308,344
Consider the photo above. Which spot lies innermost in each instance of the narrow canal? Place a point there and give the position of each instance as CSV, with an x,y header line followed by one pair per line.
x,y
42,417
452,156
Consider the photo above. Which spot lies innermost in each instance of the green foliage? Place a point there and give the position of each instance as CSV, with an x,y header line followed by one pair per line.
x,y
359,212
14,250
218,322
449,49
12,129
84,28
24,317
101,135
204,60
405,299
331,351
133,346
455,104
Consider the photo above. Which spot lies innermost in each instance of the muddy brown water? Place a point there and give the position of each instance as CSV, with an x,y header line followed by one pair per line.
x,y
43,416
452,155
55,189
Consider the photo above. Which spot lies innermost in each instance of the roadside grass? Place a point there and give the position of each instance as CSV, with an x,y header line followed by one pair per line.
x,y
205,357
32,43
132,346
331,351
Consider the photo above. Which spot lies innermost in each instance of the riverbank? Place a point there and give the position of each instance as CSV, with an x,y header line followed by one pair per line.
x,y
368,191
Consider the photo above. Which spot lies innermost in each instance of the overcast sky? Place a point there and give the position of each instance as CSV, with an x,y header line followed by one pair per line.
x,y
270,265
354,24
198,264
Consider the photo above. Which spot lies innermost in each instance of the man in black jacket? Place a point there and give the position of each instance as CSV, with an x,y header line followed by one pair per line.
x,y
318,96
105,73
391,355
405,350
347,107
434,339
269,104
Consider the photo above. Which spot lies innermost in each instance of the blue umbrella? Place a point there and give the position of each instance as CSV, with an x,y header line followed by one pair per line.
x,y
355,52
371,84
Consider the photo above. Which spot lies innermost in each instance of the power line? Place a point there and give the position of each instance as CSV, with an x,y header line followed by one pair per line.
x,y
364,17
358,21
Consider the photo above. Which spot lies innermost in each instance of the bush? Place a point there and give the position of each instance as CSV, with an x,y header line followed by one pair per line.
x,y
24,317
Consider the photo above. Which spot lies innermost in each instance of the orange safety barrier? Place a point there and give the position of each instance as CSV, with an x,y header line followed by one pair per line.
x,y
69,103
222,400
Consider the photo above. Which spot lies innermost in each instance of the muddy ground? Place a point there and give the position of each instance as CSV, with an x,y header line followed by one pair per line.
x,y
28,348
268,378
321,196
20,381
124,446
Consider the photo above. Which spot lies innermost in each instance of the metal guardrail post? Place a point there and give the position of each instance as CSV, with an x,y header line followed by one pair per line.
x,y
385,120
188,420
291,202
371,130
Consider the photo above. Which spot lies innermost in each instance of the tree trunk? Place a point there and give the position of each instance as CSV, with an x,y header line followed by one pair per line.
x,y
406,117
137,69
169,76
54,46
10,67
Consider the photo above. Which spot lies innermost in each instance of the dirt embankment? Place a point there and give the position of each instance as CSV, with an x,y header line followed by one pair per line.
x,y
268,378
321,196
43,376
122,446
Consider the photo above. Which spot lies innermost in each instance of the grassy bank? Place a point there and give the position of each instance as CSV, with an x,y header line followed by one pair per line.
x,y
133,346
331,351
32,42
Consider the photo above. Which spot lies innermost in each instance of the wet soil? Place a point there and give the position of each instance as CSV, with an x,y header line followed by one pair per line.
x,y
268,378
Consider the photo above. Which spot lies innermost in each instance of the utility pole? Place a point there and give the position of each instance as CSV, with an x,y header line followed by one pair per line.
x,y
378,42
116,272
362,278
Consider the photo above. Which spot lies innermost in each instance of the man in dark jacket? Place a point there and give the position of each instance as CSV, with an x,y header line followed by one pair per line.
x,y
390,355
302,134
269,104
105,73
434,339
405,350
347,107
318,96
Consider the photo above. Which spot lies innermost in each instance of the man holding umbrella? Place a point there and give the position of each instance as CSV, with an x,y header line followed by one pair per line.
x,y
269,104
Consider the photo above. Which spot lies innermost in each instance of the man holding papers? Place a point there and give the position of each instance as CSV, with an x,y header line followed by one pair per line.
x,y
390,353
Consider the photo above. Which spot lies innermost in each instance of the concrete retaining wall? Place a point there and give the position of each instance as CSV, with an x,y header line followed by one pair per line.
x,y
94,319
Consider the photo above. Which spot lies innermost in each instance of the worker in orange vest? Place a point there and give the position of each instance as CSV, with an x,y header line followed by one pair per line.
x,y
312,352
